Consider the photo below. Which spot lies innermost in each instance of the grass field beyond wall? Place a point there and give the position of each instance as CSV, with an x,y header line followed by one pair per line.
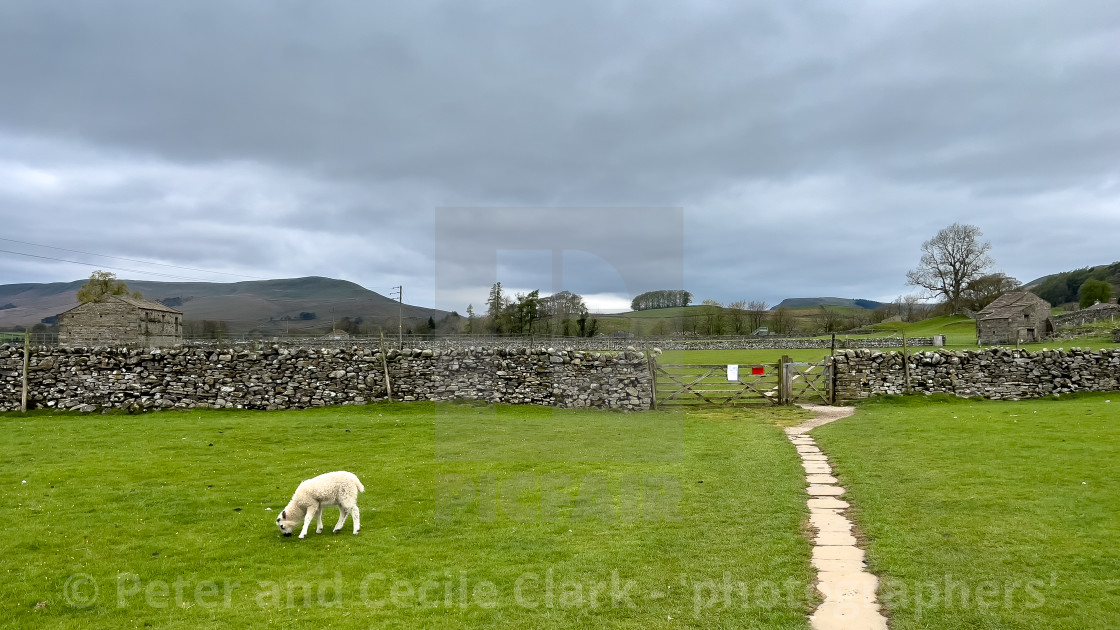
x,y
473,517
987,514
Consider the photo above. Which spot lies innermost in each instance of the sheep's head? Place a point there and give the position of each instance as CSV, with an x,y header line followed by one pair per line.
x,y
286,525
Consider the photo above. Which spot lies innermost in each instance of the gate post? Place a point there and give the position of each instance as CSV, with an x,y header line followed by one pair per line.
x,y
831,376
651,361
785,384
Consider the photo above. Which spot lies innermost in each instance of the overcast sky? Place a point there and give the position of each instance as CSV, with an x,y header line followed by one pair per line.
x,y
749,150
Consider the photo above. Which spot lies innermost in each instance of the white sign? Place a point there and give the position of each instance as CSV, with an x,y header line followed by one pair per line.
x,y
732,372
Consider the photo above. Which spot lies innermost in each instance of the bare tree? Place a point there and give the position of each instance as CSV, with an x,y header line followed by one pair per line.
x,y
911,308
756,314
781,320
713,317
950,260
830,320
736,312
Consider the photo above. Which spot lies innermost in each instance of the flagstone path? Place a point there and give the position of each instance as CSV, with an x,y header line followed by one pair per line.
x,y
842,577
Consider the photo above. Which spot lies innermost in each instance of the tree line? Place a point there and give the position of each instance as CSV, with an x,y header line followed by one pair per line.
x,y
665,298
563,313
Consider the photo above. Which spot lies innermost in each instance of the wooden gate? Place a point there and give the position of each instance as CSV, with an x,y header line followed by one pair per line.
x,y
809,383
783,383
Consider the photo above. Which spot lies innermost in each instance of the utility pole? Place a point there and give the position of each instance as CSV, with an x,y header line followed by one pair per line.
x,y
399,289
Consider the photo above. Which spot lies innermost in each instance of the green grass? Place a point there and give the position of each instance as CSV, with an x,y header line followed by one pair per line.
x,y
663,321
741,357
959,330
168,516
987,514
655,322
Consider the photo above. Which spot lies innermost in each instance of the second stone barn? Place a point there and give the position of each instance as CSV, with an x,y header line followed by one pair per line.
x,y
120,320
1015,317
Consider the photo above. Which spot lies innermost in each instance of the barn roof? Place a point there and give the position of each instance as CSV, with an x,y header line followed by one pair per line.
x,y
138,303
145,304
1011,305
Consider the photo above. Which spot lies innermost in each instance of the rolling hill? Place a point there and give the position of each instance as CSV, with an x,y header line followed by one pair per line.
x,y
268,306
827,301
1062,288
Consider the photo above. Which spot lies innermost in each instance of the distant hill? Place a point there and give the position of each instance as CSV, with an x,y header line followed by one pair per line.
x,y
268,306
827,301
1062,288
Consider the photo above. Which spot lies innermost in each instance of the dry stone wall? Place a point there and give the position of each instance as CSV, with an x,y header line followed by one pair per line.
x,y
995,373
598,344
1089,315
277,377
792,343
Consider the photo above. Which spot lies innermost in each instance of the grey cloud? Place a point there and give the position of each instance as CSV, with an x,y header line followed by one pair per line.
x,y
572,103
790,134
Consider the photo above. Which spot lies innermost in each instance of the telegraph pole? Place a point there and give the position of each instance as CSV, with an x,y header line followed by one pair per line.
x,y
399,289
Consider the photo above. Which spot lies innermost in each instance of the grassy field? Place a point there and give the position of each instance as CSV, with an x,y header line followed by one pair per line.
x,y
663,321
741,357
958,329
960,333
472,517
987,514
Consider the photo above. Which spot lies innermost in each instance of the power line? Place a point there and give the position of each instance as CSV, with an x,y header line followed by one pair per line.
x,y
146,262
75,262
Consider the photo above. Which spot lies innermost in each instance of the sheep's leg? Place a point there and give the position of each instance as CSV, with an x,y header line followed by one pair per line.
x,y
310,516
319,522
342,514
357,523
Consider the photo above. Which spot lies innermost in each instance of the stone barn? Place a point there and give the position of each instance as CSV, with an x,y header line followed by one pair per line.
x,y
120,320
1015,317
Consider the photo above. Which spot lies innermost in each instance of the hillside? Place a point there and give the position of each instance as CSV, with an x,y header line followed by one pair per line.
x,y
959,330
267,306
827,301
719,320
1062,288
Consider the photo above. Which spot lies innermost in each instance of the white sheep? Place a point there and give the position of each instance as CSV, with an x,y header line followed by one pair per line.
x,y
339,488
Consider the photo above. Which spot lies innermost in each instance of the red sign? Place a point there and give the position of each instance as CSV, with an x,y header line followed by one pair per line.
x,y
757,369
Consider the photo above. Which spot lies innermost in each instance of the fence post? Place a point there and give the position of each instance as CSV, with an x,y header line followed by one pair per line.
x,y
385,364
906,361
830,366
26,365
651,361
784,384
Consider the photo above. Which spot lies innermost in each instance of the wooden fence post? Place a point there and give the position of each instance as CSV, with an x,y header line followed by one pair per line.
x,y
785,385
906,361
652,362
830,365
26,366
385,364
